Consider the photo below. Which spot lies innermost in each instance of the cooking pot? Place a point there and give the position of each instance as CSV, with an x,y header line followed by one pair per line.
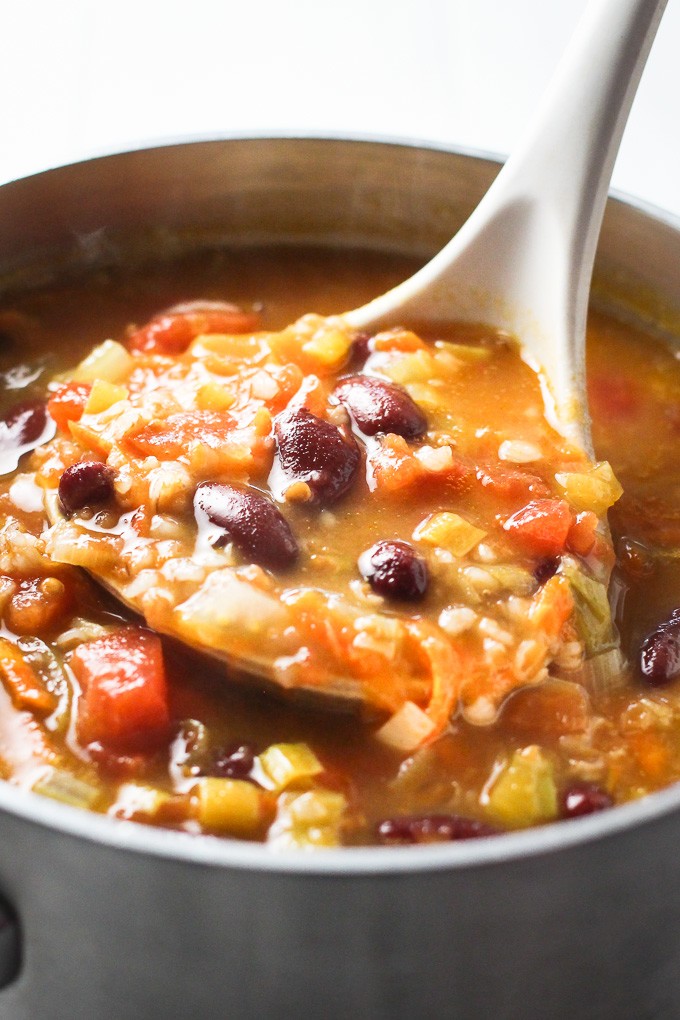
x,y
109,919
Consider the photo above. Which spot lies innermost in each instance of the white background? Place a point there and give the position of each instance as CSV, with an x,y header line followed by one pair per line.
x,y
80,77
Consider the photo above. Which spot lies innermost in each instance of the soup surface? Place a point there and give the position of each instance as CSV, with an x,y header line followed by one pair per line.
x,y
419,544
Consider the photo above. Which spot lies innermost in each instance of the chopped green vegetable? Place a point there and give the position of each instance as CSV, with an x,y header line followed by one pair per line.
x,y
524,792
592,611
67,788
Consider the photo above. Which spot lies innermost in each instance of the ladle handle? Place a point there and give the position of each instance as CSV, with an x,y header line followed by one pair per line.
x,y
523,261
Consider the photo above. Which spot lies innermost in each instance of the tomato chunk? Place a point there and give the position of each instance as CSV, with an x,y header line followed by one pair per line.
x,y
68,403
170,438
171,332
541,527
124,703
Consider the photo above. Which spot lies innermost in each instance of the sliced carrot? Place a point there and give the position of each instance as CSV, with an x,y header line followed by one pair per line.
x,y
67,403
445,670
22,683
393,465
541,527
552,606
400,340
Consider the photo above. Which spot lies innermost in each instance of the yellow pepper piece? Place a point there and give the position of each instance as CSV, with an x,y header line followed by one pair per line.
x,y
104,395
449,531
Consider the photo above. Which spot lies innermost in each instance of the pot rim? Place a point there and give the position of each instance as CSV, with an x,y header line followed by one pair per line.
x,y
202,850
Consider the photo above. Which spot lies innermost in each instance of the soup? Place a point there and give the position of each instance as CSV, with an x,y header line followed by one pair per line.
x,y
452,522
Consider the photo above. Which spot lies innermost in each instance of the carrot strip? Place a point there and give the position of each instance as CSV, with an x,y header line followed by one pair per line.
x,y
446,673
21,682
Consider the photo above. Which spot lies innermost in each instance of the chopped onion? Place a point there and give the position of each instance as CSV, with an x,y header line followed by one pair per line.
x,y
407,728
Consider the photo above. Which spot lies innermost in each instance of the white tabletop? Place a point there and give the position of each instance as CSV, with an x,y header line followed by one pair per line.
x,y
80,77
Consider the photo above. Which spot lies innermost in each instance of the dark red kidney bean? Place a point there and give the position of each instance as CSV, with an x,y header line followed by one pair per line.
x,y
659,660
583,799
545,569
312,450
432,829
235,762
88,483
393,568
377,405
254,524
361,348
23,424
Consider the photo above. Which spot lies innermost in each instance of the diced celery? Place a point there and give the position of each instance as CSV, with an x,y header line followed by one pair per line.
x,y
308,820
511,578
232,806
58,784
284,765
524,792
596,489
592,611
449,531
109,361
605,672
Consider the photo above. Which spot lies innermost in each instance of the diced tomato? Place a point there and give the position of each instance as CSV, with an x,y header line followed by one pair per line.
x,y
582,533
124,701
169,438
510,483
171,332
541,527
68,403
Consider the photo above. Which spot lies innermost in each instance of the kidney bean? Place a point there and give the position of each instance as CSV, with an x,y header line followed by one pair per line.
x,y
432,829
253,523
659,660
234,762
23,425
545,569
87,483
377,405
312,450
583,799
393,568
361,348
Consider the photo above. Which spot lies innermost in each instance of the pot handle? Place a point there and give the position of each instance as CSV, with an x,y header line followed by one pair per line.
x,y
10,945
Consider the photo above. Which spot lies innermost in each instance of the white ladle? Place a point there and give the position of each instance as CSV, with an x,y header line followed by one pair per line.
x,y
523,260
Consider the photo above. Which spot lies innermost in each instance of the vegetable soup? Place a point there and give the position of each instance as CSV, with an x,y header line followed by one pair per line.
x,y
265,577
